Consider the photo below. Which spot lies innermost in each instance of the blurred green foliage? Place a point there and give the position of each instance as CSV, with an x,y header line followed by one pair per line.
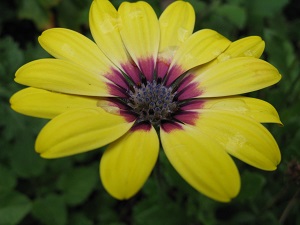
x,y
68,191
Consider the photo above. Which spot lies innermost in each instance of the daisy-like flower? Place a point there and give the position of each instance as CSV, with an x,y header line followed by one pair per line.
x,y
148,81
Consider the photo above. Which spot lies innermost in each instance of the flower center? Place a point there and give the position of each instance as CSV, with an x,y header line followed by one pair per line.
x,y
152,102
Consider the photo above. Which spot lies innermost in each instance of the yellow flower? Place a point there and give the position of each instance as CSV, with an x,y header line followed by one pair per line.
x,y
148,81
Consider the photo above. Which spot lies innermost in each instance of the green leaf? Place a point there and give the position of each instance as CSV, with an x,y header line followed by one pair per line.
x,y
71,15
252,184
266,8
24,160
11,58
60,165
244,218
6,11
50,210
234,14
78,183
33,10
277,46
8,179
49,3
80,219
35,51
158,214
13,207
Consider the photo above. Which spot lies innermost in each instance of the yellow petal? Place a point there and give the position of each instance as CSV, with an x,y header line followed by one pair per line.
x,y
202,162
257,109
241,136
201,47
104,26
78,131
176,26
47,104
70,45
236,76
252,46
127,163
139,29
62,76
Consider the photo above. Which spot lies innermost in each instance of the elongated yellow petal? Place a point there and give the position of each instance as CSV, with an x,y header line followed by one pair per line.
x,y
241,136
104,26
201,47
127,163
62,76
202,162
70,45
176,26
252,46
139,29
236,76
47,104
78,131
257,109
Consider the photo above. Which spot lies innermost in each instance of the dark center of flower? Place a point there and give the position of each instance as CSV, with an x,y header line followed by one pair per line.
x,y
152,102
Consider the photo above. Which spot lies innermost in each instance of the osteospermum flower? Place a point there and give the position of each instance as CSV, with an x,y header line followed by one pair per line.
x,y
148,81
